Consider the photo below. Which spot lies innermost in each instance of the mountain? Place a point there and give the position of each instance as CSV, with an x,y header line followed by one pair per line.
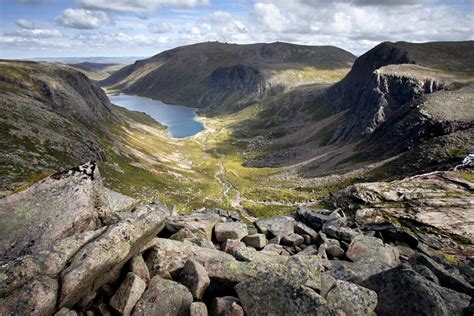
x,y
398,98
223,77
96,71
52,116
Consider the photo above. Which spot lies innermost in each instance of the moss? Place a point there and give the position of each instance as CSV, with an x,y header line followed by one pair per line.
x,y
264,210
461,240
448,258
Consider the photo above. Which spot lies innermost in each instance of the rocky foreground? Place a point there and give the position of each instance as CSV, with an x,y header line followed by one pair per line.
x,y
69,246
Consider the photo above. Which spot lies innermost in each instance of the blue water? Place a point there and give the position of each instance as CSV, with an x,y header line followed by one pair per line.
x,y
181,121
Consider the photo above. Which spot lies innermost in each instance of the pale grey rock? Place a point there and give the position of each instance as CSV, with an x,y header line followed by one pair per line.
x,y
230,230
128,294
257,241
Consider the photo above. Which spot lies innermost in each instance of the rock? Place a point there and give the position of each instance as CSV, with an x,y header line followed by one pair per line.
x,y
401,291
195,277
275,240
358,271
100,261
128,294
307,239
392,233
65,312
38,297
334,251
226,306
197,237
426,273
230,230
311,217
351,298
119,202
269,295
335,230
280,226
198,309
60,206
302,230
365,246
164,298
252,255
292,240
276,249
405,252
203,222
453,280
257,241
311,250
138,266
327,283
230,245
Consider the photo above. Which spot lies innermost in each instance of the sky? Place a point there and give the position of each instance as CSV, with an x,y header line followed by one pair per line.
x,y
80,28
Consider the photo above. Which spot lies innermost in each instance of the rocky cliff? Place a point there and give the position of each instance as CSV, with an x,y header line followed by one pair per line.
x,y
382,250
52,116
196,74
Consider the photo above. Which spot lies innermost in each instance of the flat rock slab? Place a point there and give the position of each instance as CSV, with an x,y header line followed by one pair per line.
x,y
203,222
230,230
280,226
62,205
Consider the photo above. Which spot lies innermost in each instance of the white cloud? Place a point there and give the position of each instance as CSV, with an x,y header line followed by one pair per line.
x,y
25,24
83,19
120,38
195,30
37,33
138,5
161,27
270,16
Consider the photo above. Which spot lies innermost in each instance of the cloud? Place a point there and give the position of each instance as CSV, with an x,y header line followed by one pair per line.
x,y
83,19
161,27
270,16
138,5
37,33
120,38
25,24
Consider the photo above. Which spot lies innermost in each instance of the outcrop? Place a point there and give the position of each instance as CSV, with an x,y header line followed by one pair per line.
x,y
79,255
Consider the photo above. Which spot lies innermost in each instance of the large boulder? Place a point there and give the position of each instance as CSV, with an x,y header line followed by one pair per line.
x,y
203,222
270,295
312,218
279,226
119,202
164,298
100,261
62,205
230,230
226,306
363,246
352,299
257,241
402,291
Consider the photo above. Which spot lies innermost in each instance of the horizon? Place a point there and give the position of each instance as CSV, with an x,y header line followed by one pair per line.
x,y
36,29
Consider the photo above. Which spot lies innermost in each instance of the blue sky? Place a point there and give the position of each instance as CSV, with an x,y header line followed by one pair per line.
x,y
61,28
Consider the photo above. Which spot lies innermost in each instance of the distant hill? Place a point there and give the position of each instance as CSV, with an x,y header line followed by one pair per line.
x,y
227,77
97,71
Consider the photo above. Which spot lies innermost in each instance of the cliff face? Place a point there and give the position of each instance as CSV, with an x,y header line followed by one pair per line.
x,y
393,74
52,116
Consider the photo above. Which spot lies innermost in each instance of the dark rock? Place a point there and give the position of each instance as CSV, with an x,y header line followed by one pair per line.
x,y
302,230
401,291
334,251
311,218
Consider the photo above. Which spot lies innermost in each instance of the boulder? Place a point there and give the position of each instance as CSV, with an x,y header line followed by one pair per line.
x,y
128,294
358,271
365,246
198,309
164,298
230,245
100,261
334,251
65,312
402,291
270,295
62,205
226,306
292,240
311,250
279,226
450,279
138,266
257,241
37,297
302,230
119,202
352,299
276,249
230,230
195,277
197,237
203,222
312,218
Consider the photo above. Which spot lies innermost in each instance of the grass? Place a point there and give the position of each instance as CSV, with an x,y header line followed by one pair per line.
x,y
262,210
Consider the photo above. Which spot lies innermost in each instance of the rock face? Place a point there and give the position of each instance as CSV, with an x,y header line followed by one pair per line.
x,y
146,261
